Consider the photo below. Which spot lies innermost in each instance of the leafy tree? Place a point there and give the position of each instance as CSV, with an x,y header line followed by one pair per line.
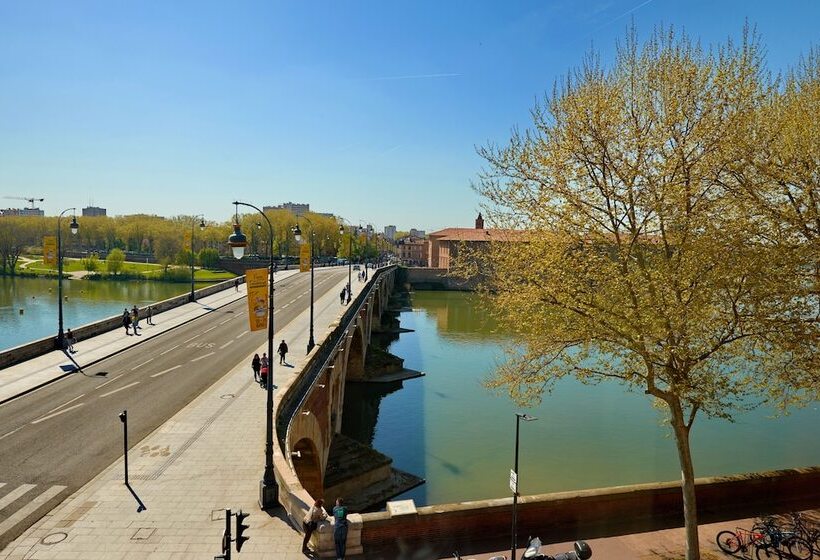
x,y
639,265
91,263
209,258
184,258
114,261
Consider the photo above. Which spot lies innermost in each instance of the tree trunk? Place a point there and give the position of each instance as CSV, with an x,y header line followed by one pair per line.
x,y
690,511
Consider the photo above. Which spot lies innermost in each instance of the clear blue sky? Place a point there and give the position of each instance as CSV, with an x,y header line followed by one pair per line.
x,y
371,110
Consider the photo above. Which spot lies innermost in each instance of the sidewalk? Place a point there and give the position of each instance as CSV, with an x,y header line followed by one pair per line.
x,y
208,457
24,377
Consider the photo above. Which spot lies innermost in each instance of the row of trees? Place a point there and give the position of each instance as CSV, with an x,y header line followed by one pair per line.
x,y
672,210
168,239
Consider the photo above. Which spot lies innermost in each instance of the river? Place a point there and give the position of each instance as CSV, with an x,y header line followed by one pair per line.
x,y
85,301
447,428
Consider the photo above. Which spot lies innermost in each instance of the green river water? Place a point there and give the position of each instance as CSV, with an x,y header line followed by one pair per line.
x,y
447,428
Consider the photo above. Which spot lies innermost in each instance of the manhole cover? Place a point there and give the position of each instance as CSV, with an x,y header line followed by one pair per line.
x,y
54,538
228,396
143,533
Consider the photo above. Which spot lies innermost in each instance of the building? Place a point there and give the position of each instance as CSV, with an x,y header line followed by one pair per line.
x,y
22,212
417,233
293,207
412,251
94,211
445,244
390,232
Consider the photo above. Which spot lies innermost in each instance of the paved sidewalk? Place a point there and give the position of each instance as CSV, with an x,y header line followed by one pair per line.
x,y
208,457
24,377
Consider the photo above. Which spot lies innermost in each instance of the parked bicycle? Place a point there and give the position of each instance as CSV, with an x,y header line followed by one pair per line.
x,y
768,539
806,530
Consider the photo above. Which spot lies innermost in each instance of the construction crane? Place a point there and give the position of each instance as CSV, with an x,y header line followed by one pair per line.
x,y
32,200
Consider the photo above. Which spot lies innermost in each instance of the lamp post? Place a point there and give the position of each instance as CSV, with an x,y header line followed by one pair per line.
x,y
297,233
349,259
201,227
74,228
514,480
268,491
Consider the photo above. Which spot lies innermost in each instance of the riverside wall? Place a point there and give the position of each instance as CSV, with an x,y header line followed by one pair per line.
x,y
42,346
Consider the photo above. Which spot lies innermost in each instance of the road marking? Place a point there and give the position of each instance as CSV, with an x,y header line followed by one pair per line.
x,y
120,389
44,418
226,344
190,339
293,300
163,372
226,320
209,330
29,508
14,494
8,434
243,333
172,348
65,403
142,364
203,357
101,385
283,306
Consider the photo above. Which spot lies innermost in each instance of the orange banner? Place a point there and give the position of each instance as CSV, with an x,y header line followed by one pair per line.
x,y
256,279
50,250
304,258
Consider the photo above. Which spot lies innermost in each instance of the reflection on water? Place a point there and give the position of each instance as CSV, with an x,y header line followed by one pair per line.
x,y
449,429
85,301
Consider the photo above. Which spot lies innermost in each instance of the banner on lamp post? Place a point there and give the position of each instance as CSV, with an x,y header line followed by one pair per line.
x,y
256,279
304,258
50,250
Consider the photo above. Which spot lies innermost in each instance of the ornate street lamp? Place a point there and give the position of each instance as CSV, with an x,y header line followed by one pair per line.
x,y
75,227
349,258
268,490
297,233
514,479
201,228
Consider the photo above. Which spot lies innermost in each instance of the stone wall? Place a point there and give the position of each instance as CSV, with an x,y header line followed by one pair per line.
x,y
432,279
42,346
587,514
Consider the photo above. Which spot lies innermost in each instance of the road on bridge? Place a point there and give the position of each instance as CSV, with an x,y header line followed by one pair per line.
x,y
56,439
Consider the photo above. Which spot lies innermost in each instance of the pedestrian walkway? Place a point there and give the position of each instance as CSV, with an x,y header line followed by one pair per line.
x,y
208,457
21,378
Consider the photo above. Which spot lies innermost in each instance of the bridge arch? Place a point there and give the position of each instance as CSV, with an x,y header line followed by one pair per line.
x,y
355,354
308,467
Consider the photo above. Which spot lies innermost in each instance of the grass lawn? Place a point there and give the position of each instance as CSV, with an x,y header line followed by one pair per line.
x,y
146,269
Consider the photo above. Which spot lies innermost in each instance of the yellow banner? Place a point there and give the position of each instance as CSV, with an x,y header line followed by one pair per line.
x,y
50,250
256,280
304,258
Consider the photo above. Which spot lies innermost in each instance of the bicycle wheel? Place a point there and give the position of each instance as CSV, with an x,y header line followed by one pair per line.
x,y
799,548
728,541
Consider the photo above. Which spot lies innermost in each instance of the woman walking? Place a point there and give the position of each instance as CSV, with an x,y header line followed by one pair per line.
x,y
315,514
256,364
340,530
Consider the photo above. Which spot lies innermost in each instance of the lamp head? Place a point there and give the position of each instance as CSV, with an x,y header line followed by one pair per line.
x,y
74,225
237,241
123,415
525,417
202,224
297,233
341,229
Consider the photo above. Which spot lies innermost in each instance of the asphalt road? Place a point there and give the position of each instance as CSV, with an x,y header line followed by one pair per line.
x,y
55,439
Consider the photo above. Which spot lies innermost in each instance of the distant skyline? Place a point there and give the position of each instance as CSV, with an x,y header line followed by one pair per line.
x,y
369,110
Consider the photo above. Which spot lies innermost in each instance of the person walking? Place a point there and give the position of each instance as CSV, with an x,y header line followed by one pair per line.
x,y
256,365
150,318
264,369
315,514
126,321
70,341
236,284
342,297
283,349
136,318
340,528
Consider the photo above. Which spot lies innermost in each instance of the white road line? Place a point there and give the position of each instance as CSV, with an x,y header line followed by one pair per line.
x,y
226,344
142,364
190,339
203,357
120,389
209,330
172,348
163,372
78,405
101,385
243,333
65,403
293,300
8,434
14,494
283,306
29,508
226,320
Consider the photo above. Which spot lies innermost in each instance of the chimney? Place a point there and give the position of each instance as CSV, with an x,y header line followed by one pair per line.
x,y
479,222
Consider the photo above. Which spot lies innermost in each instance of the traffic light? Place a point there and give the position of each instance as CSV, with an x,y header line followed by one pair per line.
x,y
240,529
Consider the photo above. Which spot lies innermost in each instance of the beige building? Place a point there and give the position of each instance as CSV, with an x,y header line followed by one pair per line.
x,y
412,251
445,244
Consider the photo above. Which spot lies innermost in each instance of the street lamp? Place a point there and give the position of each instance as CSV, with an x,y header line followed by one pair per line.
x,y
268,491
74,228
514,479
349,259
201,228
297,233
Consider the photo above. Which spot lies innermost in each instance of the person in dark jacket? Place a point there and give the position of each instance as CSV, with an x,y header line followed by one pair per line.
x,y
340,528
256,365
283,350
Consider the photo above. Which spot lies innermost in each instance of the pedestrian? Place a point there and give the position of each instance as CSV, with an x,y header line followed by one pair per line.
x,y
236,284
340,529
315,514
136,318
342,297
70,340
256,365
265,368
126,321
283,349
150,319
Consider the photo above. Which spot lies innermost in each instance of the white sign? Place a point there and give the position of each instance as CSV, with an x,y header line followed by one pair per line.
x,y
514,481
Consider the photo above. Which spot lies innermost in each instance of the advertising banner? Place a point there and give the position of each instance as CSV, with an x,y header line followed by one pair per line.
x,y
50,250
256,279
304,258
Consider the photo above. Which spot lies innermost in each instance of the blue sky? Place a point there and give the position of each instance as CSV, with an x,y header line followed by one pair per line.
x,y
371,110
